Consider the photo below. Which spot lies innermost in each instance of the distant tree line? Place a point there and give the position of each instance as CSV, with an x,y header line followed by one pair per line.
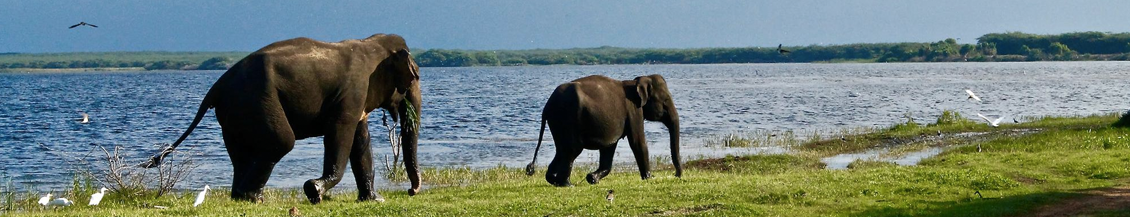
x,y
1011,46
146,60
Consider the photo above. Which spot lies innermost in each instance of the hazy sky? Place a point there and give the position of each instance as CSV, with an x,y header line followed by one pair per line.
x,y
219,25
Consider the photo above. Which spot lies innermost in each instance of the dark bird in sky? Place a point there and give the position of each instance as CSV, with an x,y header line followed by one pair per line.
x,y
782,51
83,24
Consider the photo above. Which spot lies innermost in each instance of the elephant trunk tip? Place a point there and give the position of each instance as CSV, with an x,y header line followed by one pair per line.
x,y
530,169
155,161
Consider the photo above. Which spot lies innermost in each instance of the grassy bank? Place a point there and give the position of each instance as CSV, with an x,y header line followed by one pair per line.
x,y
1061,159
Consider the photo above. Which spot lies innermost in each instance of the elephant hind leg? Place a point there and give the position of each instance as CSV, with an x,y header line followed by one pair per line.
x,y
252,171
605,167
561,167
255,144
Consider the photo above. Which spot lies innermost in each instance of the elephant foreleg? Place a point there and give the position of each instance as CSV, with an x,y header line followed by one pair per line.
x,y
338,144
361,159
638,143
605,166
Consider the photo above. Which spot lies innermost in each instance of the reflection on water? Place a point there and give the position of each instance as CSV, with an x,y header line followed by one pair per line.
x,y
485,116
841,161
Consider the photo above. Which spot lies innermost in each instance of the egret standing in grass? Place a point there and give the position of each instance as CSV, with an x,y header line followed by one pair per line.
x,y
97,197
972,96
61,202
44,200
200,197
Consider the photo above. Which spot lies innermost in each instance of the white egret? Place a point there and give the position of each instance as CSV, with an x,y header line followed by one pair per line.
x,y
97,197
992,122
85,118
60,202
972,96
44,200
200,197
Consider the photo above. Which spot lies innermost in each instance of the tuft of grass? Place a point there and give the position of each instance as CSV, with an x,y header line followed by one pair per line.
x,y
1123,121
952,118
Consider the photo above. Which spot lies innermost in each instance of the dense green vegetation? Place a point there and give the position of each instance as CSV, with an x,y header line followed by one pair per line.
x,y
147,60
1010,46
1064,159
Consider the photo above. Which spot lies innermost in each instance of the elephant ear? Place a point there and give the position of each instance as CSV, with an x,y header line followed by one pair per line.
x,y
406,57
642,90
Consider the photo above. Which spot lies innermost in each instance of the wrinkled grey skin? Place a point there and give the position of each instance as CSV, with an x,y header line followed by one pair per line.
x,y
595,112
301,88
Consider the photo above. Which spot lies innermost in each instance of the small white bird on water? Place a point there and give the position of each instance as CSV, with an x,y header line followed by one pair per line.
x,y
97,197
992,122
44,200
85,118
200,197
61,202
972,96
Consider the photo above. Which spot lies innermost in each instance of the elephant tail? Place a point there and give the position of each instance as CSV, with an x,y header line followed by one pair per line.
x,y
204,106
530,167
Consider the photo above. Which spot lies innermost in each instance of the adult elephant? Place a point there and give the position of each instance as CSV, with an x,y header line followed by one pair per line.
x,y
595,112
301,88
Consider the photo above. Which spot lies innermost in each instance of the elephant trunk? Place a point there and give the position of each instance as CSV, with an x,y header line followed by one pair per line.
x,y
409,134
672,124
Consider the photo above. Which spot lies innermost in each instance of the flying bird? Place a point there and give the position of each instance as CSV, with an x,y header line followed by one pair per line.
x,y
44,200
610,196
782,51
200,197
992,122
83,24
97,197
85,118
972,96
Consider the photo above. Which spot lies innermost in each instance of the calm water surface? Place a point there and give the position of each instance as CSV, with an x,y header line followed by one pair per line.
x,y
488,116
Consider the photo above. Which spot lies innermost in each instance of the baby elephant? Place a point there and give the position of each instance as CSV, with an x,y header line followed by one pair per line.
x,y
595,112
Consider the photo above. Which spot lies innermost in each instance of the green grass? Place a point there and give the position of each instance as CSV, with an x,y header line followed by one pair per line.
x,y
1014,174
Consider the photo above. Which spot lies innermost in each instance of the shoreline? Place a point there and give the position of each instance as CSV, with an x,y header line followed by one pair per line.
x,y
58,70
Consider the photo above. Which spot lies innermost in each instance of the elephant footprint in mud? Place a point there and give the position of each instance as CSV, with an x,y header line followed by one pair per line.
x,y
595,112
301,88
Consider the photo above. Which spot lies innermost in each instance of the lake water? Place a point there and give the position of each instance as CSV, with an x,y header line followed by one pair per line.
x,y
487,116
